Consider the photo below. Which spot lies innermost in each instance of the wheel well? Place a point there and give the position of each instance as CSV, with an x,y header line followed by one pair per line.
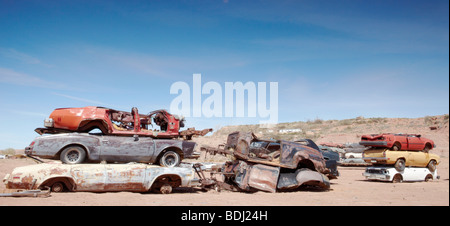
x,y
88,125
172,179
68,183
306,163
175,149
398,175
58,155
396,143
428,145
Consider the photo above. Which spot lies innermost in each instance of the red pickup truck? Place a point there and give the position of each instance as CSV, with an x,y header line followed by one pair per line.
x,y
115,122
397,142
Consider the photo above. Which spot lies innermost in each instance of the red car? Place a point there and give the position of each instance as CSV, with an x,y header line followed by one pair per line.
x,y
397,142
115,122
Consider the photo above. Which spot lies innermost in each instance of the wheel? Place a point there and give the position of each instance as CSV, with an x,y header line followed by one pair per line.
x,y
73,155
397,147
400,165
427,147
432,165
428,178
397,178
170,159
166,189
57,187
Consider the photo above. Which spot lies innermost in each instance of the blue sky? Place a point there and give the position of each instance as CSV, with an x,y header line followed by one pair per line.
x,y
331,59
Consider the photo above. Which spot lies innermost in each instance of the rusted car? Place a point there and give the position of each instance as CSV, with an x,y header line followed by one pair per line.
x,y
134,177
114,122
397,142
76,148
401,159
271,165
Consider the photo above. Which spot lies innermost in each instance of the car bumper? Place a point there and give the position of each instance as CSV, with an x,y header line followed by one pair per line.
x,y
376,176
375,159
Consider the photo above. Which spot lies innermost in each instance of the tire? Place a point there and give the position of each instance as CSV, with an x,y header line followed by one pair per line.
x,y
57,187
400,165
428,178
427,147
165,189
432,165
397,178
73,155
170,159
397,147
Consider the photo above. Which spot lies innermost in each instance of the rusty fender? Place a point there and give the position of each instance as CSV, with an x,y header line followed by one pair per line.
x,y
289,181
99,177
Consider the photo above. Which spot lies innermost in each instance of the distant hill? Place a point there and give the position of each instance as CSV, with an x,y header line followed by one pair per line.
x,y
347,130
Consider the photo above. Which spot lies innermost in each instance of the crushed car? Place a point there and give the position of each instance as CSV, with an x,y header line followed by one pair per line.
x,y
271,165
135,177
122,123
74,148
398,142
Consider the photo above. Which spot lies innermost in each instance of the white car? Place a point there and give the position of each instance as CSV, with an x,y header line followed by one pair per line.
x,y
381,173
101,177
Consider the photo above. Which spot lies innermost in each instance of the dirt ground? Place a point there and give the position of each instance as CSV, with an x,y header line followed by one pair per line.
x,y
350,189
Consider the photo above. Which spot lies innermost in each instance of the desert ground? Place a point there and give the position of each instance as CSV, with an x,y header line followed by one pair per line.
x,y
350,189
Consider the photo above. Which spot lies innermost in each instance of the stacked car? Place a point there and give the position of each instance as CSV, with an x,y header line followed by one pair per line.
x,y
399,157
124,138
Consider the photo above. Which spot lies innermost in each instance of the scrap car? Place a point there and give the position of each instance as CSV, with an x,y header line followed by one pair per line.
x,y
271,165
74,148
401,159
115,122
390,174
135,177
397,142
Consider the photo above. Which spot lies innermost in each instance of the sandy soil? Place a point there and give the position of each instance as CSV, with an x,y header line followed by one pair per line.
x,y
350,189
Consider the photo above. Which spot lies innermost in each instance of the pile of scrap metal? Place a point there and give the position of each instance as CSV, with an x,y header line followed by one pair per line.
x,y
270,165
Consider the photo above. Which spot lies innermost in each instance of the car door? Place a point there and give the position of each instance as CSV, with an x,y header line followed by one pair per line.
x,y
415,143
126,149
125,177
89,177
419,158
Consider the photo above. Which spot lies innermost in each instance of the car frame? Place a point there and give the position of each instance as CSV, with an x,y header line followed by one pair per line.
x,y
115,122
135,177
397,142
74,148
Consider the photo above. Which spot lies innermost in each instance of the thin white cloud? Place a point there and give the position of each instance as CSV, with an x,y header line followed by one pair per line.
x,y
10,76
28,113
81,99
20,56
